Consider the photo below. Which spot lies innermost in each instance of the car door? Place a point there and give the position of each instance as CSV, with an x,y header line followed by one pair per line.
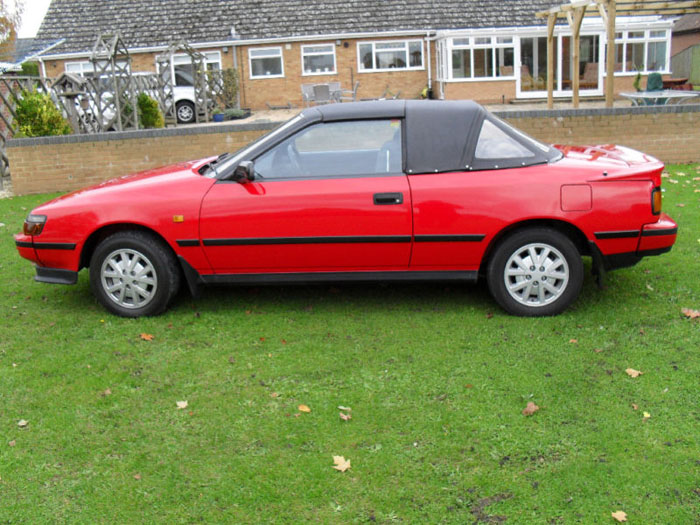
x,y
332,197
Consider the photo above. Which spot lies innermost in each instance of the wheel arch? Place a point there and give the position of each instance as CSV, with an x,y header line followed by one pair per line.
x,y
574,234
105,231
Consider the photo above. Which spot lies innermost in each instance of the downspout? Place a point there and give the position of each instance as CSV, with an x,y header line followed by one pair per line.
x,y
428,39
43,67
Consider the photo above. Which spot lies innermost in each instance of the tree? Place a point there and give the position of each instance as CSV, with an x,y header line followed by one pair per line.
x,y
10,18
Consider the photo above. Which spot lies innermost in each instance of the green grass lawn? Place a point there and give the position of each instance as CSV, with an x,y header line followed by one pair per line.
x,y
436,376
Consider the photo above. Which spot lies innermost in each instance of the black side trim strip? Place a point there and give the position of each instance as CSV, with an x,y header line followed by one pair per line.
x,y
307,240
24,244
656,233
187,242
478,237
55,275
625,234
320,277
54,245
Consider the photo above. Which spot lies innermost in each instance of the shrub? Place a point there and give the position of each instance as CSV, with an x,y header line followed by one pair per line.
x,y
227,82
149,112
231,114
38,116
30,69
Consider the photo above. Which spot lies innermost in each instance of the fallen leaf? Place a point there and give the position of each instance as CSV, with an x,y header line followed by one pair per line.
x,y
340,463
346,409
673,181
137,476
274,395
649,287
634,406
573,341
232,360
680,205
646,415
344,416
304,408
147,337
597,350
633,373
468,385
530,409
181,404
489,315
690,314
12,443
107,392
14,365
284,341
262,339
619,515
22,423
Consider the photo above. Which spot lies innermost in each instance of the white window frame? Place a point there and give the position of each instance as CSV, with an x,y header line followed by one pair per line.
x,y
360,65
305,53
494,45
276,49
84,66
625,39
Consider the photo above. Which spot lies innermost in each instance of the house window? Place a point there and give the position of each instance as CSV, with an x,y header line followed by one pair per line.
x,y
483,57
182,66
390,56
87,68
266,62
645,51
318,59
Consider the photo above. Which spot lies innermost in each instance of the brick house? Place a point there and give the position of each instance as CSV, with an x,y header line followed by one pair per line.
x,y
486,50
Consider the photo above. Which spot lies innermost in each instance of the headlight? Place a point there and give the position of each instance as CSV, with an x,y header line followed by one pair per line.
x,y
33,224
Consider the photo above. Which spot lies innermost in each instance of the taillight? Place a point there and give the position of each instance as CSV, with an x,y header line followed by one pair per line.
x,y
656,201
33,224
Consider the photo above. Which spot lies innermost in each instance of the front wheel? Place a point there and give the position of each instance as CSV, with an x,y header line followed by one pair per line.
x,y
185,112
535,272
134,274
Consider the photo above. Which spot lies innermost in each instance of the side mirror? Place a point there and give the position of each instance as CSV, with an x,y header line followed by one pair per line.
x,y
244,172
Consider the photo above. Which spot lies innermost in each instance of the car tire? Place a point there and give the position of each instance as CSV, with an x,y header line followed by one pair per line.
x,y
185,112
134,274
535,272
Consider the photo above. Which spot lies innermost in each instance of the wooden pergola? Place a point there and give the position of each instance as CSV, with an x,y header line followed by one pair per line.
x,y
608,10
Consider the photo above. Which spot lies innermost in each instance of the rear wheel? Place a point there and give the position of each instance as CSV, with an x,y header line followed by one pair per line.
x,y
535,272
134,274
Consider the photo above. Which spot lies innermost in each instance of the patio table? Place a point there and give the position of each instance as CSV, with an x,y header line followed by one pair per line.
x,y
665,97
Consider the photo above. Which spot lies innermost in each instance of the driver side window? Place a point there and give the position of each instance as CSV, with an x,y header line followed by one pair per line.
x,y
336,149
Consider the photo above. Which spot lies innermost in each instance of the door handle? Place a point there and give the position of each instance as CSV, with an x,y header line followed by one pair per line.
x,y
388,198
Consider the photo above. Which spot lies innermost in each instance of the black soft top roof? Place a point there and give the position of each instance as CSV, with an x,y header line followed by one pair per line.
x,y
440,135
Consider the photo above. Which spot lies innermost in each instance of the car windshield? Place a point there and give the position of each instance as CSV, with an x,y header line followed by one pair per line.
x,y
242,153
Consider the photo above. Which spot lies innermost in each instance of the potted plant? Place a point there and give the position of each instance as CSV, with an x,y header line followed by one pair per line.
x,y
218,115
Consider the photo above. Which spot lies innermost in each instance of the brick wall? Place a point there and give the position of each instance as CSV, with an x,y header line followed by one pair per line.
x,y
67,163
49,164
255,93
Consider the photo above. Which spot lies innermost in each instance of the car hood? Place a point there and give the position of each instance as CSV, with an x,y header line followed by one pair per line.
x,y
142,186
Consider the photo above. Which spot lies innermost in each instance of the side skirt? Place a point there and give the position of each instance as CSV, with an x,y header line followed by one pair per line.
x,y
195,280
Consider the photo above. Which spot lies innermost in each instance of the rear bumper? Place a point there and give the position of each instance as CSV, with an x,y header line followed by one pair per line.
x,y
658,236
654,239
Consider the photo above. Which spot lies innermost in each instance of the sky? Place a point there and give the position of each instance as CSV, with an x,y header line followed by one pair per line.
x,y
34,11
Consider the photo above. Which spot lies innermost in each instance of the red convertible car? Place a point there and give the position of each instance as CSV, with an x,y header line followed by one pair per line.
x,y
390,191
